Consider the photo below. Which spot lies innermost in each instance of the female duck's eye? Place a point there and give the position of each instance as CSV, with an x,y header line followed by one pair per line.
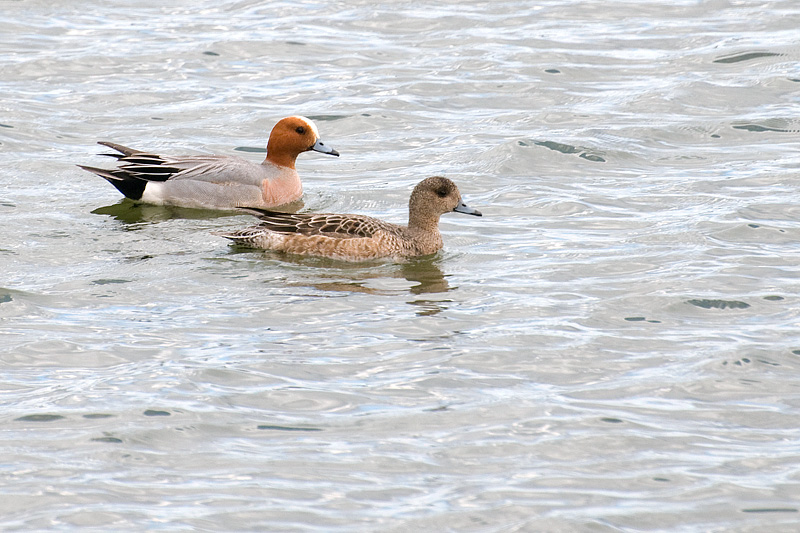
x,y
441,192
300,129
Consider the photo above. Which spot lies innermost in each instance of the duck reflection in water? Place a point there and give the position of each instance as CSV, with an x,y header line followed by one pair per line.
x,y
424,274
416,277
131,212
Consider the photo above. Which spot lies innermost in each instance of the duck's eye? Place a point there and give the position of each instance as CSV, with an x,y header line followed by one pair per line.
x,y
441,192
301,130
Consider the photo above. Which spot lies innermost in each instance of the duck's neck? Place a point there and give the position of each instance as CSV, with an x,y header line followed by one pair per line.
x,y
424,233
279,157
422,221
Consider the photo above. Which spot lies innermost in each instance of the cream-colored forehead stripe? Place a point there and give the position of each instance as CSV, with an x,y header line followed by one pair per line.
x,y
310,124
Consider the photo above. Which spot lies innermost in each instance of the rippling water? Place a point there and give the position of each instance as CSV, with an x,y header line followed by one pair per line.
x,y
614,346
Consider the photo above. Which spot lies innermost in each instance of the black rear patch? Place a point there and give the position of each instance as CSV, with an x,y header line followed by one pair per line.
x,y
132,188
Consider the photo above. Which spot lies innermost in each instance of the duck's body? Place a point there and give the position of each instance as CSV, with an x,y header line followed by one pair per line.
x,y
217,181
358,237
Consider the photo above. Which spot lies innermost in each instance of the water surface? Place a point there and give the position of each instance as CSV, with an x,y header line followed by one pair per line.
x,y
613,346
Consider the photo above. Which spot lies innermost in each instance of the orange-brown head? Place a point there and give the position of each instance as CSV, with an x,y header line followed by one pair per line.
x,y
292,136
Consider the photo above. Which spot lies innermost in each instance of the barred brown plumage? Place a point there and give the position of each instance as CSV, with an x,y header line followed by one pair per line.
x,y
358,237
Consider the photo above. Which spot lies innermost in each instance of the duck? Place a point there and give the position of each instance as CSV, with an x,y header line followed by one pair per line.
x,y
356,238
217,181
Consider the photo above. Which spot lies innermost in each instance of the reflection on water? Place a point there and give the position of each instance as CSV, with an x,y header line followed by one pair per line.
x,y
424,276
380,277
131,212
427,274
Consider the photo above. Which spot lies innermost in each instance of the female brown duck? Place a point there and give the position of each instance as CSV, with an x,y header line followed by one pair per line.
x,y
359,237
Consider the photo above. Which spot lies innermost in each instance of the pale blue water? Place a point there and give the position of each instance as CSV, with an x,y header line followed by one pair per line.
x,y
613,346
